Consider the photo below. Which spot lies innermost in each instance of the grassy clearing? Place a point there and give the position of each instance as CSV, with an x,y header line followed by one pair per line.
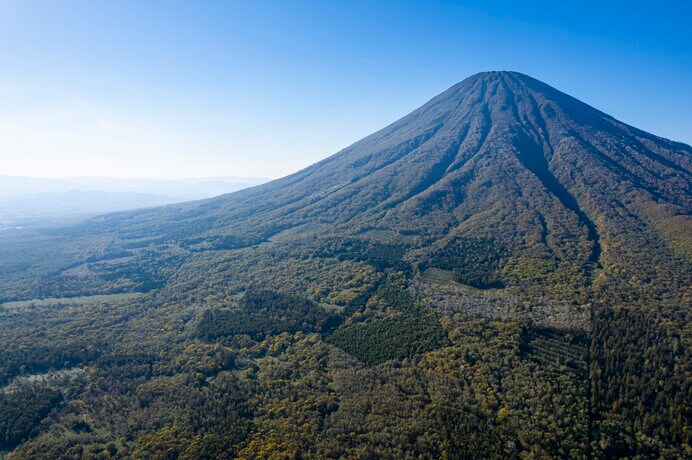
x,y
438,276
83,300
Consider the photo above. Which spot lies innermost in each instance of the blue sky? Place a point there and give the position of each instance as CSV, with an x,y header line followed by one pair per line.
x,y
210,88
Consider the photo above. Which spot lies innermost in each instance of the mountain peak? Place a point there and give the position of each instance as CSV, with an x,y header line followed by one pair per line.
x,y
499,158
490,76
498,73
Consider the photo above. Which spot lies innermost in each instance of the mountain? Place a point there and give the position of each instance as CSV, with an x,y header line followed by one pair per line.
x,y
507,267
556,185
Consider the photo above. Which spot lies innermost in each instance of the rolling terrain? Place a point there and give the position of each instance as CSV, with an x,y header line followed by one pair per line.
x,y
504,272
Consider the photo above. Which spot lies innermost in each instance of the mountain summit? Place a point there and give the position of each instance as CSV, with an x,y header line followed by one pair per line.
x,y
556,188
554,185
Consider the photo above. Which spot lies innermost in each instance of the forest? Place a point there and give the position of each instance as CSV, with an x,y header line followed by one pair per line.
x,y
369,367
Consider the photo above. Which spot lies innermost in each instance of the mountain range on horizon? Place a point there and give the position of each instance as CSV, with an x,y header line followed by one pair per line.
x,y
504,232
32,201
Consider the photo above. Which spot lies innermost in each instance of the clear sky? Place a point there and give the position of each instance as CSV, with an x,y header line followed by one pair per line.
x,y
150,88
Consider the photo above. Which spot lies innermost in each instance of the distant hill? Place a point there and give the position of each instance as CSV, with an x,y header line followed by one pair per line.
x,y
39,201
194,188
503,273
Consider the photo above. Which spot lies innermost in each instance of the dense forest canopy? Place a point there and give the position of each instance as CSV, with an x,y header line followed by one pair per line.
x,y
503,273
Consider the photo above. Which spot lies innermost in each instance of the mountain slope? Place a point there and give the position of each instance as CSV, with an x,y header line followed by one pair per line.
x,y
506,264
559,186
